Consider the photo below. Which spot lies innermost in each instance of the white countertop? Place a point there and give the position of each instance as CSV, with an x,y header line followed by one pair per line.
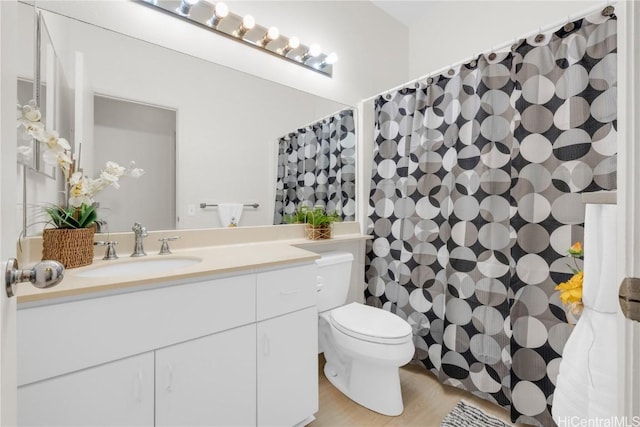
x,y
220,259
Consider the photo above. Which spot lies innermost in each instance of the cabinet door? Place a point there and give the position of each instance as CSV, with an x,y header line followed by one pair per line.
x,y
288,368
209,381
118,393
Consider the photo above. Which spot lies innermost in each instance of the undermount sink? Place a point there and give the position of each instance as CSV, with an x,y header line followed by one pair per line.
x,y
139,266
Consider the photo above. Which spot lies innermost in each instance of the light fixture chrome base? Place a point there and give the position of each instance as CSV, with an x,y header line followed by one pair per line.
x,y
201,13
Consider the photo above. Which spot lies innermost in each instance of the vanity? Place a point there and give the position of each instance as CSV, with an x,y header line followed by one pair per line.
x,y
230,340
223,331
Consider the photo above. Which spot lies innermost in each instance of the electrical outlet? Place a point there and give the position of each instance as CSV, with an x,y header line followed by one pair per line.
x,y
191,210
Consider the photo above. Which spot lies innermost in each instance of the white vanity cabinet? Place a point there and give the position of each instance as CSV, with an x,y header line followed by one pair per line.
x,y
287,346
118,393
174,354
208,380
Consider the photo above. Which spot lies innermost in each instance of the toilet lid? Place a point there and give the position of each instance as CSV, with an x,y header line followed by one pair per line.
x,y
371,324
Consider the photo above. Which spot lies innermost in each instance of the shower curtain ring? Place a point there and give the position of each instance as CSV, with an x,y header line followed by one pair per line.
x,y
492,55
569,26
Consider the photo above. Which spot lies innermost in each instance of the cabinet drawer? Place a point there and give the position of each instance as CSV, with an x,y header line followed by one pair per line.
x,y
286,290
61,338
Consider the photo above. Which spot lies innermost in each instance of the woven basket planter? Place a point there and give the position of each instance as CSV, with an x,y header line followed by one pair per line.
x,y
318,233
72,247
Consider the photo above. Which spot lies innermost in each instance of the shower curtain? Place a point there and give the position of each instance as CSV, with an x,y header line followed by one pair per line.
x,y
316,167
475,199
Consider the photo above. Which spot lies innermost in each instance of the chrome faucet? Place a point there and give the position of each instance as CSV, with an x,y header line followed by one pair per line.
x,y
139,232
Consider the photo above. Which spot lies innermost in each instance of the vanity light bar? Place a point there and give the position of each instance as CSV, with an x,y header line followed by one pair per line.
x,y
217,18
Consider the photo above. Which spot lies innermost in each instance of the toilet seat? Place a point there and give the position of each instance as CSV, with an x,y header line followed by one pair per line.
x,y
371,324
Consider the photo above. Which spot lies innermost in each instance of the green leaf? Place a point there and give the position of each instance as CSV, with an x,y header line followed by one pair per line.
x,y
81,217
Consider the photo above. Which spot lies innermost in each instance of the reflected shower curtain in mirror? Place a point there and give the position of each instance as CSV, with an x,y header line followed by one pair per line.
x,y
475,199
316,167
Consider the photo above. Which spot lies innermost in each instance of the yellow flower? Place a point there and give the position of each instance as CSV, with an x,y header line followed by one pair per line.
x,y
571,290
576,249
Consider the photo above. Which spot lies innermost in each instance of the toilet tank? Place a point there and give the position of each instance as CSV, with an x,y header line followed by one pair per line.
x,y
334,277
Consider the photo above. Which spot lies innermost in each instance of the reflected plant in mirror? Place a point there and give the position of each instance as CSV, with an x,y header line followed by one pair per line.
x,y
80,208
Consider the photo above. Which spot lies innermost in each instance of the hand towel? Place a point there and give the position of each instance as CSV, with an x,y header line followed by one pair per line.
x,y
230,213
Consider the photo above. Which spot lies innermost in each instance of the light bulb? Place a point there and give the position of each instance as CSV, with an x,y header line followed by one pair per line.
x,y
314,50
248,22
273,33
294,42
191,2
221,10
332,58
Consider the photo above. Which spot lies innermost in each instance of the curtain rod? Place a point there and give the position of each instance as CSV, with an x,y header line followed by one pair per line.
x,y
497,48
319,120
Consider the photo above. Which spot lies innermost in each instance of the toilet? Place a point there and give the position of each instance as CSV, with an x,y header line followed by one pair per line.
x,y
363,346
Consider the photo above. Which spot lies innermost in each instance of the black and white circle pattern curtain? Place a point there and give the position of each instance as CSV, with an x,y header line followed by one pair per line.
x,y
316,167
475,198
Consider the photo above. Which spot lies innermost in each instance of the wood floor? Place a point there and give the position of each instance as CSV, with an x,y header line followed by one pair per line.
x,y
426,403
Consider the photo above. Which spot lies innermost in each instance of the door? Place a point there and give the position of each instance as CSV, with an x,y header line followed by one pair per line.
x,y
119,393
208,381
8,220
287,350
629,203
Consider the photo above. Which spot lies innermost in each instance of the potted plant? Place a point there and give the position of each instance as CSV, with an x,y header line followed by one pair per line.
x,y
318,222
70,240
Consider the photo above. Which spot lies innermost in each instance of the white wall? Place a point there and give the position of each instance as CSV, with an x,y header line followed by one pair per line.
x,y
455,30
365,38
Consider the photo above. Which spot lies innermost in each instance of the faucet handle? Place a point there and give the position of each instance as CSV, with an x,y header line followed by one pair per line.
x,y
110,252
164,248
139,229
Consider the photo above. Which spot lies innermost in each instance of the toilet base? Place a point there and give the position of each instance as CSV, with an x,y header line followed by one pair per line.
x,y
373,386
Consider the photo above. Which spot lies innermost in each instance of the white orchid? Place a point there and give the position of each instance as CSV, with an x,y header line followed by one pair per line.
x,y
133,171
78,186
31,114
57,151
112,173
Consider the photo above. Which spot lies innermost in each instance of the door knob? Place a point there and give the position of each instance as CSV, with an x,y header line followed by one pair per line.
x,y
44,274
629,298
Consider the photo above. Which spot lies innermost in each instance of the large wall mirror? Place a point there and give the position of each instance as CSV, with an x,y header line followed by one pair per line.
x,y
203,133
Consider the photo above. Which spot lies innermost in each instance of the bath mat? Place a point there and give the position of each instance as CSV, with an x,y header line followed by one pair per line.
x,y
465,415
